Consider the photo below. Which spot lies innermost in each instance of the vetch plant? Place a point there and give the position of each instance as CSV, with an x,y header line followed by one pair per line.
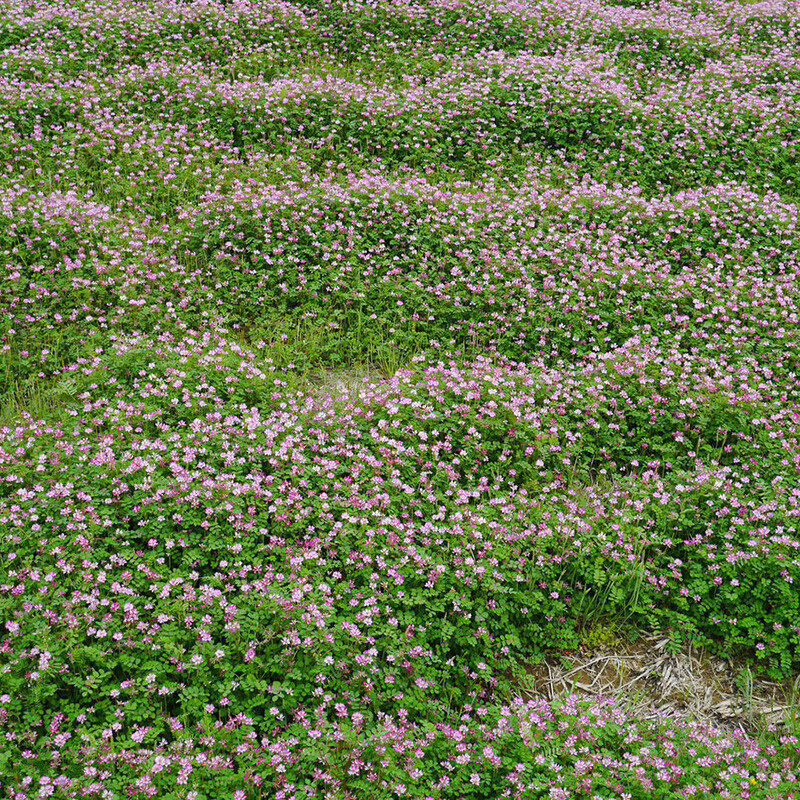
x,y
355,356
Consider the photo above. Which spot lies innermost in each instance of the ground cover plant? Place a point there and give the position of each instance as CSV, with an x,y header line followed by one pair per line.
x,y
356,357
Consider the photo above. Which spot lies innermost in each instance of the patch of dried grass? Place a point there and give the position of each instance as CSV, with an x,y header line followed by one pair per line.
x,y
645,677
343,383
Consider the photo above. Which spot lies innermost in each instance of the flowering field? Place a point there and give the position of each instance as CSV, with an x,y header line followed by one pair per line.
x,y
357,355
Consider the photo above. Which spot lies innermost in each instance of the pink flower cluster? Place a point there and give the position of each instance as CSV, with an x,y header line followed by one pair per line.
x,y
561,240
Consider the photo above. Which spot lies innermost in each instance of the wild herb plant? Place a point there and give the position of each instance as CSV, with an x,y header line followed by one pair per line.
x,y
558,240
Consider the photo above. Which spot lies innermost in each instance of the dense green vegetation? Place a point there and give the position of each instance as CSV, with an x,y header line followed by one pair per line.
x,y
355,356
